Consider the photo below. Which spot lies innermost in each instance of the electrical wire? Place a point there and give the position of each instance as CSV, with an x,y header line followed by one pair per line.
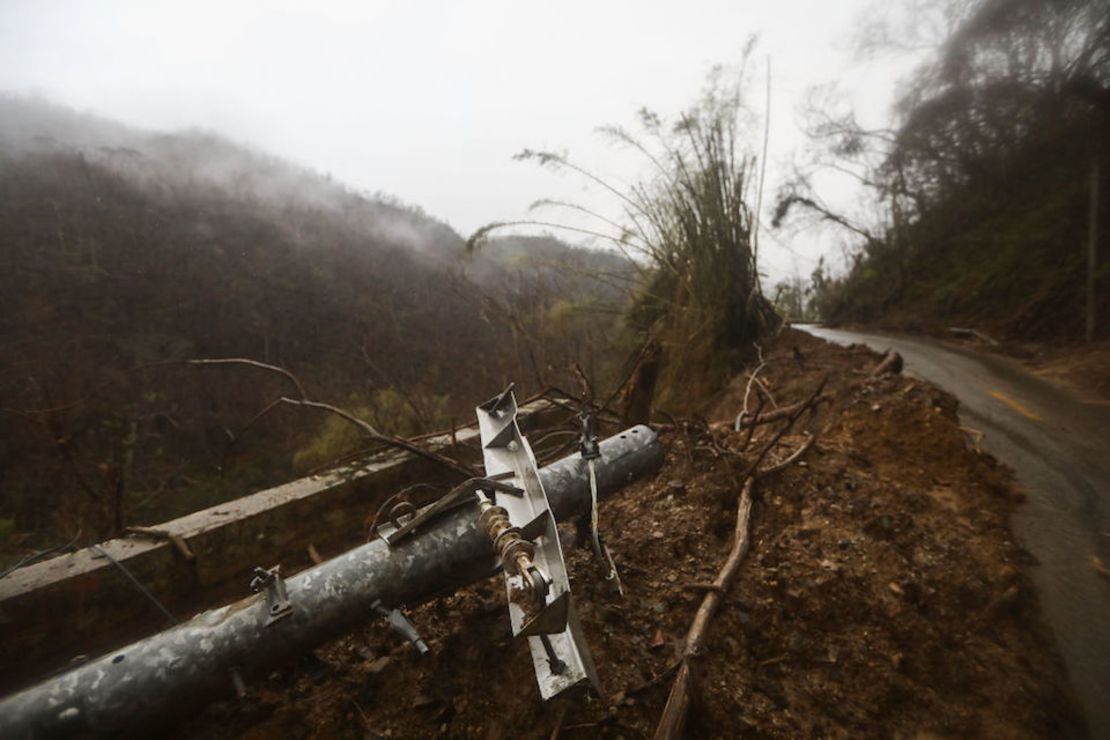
x,y
153,599
36,556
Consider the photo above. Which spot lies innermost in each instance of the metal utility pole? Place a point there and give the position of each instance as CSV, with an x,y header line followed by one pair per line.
x,y
145,685
1092,253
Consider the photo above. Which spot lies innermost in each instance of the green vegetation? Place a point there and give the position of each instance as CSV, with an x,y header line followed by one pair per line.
x,y
985,179
688,228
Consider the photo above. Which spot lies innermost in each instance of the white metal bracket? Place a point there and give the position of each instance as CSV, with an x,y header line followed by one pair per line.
x,y
559,651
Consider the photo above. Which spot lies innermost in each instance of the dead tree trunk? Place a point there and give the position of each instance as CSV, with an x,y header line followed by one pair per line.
x,y
641,390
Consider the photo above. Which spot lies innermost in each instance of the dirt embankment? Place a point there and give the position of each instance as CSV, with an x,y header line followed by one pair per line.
x,y
1084,368
883,596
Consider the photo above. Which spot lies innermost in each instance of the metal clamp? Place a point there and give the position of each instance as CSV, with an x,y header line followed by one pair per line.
x,y
587,441
590,451
277,599
401,624
457,496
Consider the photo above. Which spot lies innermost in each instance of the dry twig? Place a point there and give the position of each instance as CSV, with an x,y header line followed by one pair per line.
x,y
785,412
748,389
790,459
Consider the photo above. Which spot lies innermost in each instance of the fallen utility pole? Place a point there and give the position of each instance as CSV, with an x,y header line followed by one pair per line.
x,y
82,604
165,675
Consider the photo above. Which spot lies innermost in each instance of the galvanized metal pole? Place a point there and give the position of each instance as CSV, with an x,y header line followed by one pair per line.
x,y
165,675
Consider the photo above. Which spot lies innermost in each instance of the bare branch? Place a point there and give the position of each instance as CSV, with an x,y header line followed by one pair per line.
x,y
790,459
252,363
386,439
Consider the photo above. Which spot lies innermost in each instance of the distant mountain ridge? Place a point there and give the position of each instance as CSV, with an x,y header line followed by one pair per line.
x,y
122,248
196,157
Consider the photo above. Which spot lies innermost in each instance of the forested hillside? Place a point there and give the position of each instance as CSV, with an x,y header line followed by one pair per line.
x,y
125,253
984,183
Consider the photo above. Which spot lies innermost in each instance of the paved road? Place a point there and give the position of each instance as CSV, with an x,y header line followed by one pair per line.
x,y
1059,447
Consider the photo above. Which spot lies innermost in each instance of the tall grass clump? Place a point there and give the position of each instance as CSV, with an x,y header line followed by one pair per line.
x,y
689,228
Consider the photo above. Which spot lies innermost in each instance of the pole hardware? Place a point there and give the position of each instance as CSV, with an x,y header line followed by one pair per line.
x,y
277,599
590,451
456,497
523,532
402,625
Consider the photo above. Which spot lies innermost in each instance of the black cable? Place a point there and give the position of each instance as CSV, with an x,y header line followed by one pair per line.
x,y
36,556
153,599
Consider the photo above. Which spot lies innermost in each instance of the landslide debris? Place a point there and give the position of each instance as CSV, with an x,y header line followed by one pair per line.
x,y
883,596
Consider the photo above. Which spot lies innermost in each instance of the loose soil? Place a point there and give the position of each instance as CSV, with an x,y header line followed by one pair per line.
x,y
883,596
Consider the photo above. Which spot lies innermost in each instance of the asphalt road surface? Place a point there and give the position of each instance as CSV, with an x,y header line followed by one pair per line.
x,y
1059,448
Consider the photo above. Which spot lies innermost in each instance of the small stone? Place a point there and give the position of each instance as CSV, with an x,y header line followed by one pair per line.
x,y
379,665
658,534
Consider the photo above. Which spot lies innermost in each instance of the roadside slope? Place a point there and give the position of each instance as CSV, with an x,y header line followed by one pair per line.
x,y
1059,447
884,595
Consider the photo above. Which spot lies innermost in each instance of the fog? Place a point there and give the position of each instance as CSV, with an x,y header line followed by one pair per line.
x,y
428,101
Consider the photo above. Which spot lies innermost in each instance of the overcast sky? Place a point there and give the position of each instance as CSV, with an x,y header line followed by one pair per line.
x,y
428,100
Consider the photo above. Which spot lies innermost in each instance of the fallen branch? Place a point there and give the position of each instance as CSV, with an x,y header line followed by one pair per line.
x,y
673,720
782,412
891,364
790,459
963,333
752,426
799,409
173,538
748,388
766,392
573,404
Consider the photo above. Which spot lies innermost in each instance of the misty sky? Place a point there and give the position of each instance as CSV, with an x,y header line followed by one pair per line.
x,y
428,100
